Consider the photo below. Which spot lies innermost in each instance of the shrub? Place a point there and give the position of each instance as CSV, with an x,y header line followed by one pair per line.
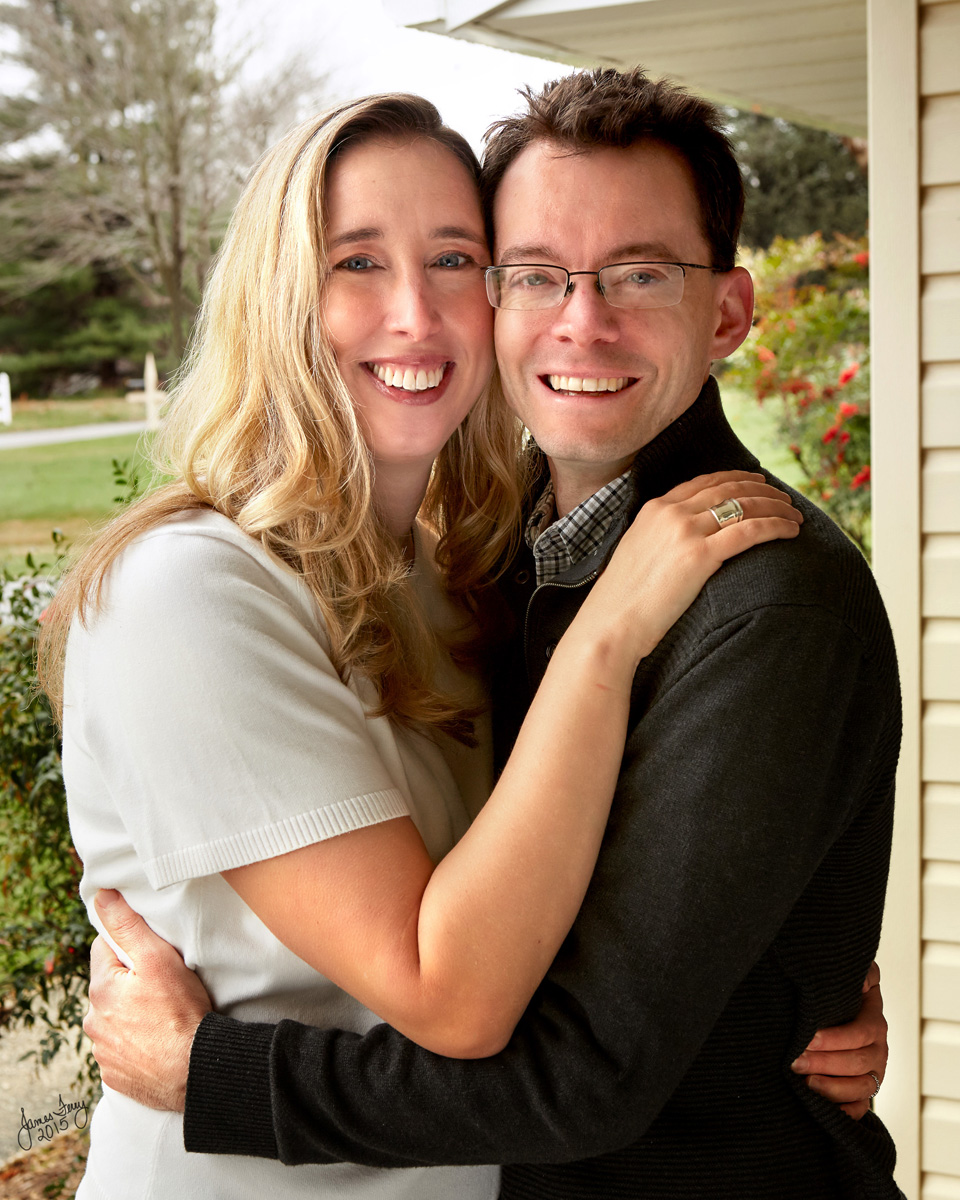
x,y
44,934
808,354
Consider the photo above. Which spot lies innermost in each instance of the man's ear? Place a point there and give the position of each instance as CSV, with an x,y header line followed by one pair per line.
x,y
734,311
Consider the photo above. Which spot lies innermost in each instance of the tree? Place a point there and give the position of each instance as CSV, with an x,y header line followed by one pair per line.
x,y
126,152
86,321
798,180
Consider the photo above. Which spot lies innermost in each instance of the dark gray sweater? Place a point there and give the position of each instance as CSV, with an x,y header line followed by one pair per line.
x,y
735,908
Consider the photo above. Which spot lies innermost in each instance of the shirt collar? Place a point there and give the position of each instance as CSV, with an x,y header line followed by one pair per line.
x,y
559,544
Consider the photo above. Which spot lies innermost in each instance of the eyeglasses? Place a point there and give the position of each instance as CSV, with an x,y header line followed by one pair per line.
x,y
624,285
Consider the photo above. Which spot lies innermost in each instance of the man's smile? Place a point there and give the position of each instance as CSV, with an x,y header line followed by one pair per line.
x,y
581,383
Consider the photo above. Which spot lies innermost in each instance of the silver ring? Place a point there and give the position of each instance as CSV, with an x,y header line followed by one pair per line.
x,y
876,1079
729,510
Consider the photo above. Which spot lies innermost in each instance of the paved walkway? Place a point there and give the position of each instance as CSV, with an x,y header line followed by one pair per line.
x,y
72,433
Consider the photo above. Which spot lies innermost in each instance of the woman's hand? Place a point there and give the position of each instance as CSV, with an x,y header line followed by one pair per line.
x,y
673,547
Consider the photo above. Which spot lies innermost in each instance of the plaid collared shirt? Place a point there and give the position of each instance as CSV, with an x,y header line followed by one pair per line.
x,y
559,544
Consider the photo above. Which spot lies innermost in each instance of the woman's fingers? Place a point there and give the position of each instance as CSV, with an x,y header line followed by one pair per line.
x,y
753,507
723,479
740,490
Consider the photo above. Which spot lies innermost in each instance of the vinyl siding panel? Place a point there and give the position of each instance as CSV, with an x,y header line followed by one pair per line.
x,y
940,1187
941,660
941,827
939,139
940,393
940,230
941,492
940,669
941,1136
941,981
940,315
941,575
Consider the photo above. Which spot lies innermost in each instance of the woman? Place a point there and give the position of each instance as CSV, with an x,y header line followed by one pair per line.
x,y
267,746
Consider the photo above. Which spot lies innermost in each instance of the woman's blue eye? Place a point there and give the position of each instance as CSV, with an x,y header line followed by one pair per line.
x,y
454,259
358,262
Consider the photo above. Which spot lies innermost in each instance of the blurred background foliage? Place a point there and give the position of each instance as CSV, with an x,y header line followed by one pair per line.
x,y
808,359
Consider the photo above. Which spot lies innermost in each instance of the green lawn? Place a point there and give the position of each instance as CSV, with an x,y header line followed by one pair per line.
x,y
71,486
755,426
57,414
68,486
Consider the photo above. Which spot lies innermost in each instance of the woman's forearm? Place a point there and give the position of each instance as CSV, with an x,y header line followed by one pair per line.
x,y
451,956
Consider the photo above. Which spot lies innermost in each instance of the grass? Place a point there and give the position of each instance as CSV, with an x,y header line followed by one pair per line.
x,y
67,486
70,486
755,426
59,414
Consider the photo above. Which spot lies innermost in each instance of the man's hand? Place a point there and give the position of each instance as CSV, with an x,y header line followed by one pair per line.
x,y
838,1060
142,1021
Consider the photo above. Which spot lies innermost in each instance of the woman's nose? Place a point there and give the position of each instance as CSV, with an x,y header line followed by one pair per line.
x,y
413,308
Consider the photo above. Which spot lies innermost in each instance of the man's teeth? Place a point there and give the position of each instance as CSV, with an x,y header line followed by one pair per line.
x,y
407,378
571,383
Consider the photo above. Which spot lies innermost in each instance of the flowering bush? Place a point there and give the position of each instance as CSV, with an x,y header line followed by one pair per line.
x,y
808,354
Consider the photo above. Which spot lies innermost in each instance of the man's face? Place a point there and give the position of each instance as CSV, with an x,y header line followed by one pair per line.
x,y
585,211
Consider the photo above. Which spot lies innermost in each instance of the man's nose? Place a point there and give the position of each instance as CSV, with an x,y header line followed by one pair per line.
x,y
412,307
585,317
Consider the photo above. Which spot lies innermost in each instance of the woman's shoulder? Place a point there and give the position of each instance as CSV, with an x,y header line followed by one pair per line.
x,y
197,561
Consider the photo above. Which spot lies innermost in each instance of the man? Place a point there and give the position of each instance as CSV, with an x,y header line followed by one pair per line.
x,y
738,895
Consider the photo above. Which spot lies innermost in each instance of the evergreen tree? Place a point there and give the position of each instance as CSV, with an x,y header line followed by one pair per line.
x,y
798,180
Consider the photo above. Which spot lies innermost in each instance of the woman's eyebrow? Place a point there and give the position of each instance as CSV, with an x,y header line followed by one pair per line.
x,y
369,233
458,232
365,234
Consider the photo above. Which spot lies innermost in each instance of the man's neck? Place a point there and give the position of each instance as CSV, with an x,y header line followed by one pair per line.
x,y
574,482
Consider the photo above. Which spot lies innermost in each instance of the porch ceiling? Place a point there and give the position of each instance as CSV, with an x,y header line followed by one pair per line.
x,y
805,60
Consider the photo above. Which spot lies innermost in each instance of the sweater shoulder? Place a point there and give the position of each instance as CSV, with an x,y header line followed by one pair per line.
x,y
820,569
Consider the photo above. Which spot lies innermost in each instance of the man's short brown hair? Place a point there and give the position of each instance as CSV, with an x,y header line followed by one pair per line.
x,y
620,108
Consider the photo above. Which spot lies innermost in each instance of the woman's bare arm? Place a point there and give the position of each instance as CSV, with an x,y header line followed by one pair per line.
x,y
450,955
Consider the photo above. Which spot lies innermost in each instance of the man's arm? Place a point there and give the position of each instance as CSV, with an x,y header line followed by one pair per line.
x,y
719,827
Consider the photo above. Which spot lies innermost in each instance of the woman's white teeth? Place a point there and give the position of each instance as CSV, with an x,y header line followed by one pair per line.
x,y
407,378
570,383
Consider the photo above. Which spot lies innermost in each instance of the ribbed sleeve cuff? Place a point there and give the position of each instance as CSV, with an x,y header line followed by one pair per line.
x,y
228,1108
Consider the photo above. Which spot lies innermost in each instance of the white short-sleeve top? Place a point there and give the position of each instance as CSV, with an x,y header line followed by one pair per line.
x,y
205,728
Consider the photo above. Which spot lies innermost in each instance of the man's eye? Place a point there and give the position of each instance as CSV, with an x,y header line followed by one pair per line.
x,y
453,259
357,262
529,279
646,276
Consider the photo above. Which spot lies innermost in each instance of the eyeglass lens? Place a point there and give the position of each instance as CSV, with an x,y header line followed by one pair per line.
x,y
624,285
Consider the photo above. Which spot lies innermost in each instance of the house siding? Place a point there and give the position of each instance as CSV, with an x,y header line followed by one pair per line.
x,y
939,74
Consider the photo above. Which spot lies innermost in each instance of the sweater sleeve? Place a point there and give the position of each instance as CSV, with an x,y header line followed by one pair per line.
x,y
736,782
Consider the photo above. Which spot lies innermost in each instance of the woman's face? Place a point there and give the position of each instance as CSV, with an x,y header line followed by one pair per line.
x,y
405,306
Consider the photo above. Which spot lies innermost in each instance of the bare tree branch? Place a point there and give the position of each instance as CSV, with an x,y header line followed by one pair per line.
x,y
129,147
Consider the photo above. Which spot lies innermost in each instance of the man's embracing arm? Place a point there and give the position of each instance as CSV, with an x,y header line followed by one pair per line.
x,y
711,842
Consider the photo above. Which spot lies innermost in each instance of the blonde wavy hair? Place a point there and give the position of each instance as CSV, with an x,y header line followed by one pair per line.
x,y
262,429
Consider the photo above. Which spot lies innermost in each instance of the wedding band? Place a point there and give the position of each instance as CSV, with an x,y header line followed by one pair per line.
x,y
729,510
876,1079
